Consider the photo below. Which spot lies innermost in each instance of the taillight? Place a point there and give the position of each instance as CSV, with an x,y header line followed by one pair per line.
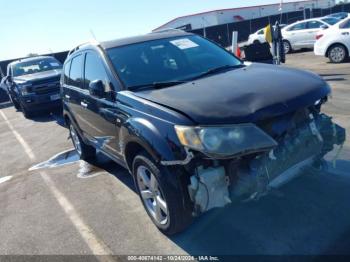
x,y
319,36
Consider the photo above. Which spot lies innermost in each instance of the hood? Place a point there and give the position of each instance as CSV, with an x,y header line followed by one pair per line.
x,y
38,76
248,94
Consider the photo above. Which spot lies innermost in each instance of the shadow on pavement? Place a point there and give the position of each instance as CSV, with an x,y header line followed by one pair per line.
x,y
5,105
44,117
309,216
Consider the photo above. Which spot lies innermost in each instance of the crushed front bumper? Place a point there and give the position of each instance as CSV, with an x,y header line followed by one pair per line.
x,y
253,176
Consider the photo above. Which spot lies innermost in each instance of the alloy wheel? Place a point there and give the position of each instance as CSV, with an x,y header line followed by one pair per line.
x,y
286,46
151,195
337,54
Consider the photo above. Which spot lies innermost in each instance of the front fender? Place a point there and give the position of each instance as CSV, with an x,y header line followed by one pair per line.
x,y
160,140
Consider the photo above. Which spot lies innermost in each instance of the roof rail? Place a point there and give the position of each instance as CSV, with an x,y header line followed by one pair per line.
x,y
94,42
168,30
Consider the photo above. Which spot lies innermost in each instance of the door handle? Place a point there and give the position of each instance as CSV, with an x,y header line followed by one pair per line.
x,y
67,96
83,104
345,33
110,115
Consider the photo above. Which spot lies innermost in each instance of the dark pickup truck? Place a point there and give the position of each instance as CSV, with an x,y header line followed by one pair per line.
x,y
33,84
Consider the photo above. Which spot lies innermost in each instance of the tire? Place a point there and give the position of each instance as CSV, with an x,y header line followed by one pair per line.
x,y
15,103
85,152
26,112
161,196
337,54
287,47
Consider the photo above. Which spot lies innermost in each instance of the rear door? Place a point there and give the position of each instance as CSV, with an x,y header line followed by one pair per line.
x,y
313,27
74,92
100,112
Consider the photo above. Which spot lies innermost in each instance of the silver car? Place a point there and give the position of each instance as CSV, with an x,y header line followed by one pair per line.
x,y
302,34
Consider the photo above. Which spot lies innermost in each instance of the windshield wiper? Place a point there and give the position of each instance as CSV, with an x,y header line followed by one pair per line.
x,y
157,85
216,70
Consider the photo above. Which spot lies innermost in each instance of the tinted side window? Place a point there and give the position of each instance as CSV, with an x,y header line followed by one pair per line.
x,y
94,70
76,71
314,24
299,26
66,72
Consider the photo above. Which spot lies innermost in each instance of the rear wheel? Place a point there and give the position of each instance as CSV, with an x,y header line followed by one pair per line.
x,y
85,152
162,201
337,54
287,47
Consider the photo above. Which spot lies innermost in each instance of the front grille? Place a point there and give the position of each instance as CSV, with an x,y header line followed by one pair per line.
x,y
46,86
46,89
50,80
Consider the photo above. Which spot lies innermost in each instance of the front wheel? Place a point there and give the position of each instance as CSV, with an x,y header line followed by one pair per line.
x,y
161,199
15,103
287,47
27,114
337,54
85,152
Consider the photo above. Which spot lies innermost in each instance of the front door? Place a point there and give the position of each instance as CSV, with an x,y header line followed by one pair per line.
x,y
100,112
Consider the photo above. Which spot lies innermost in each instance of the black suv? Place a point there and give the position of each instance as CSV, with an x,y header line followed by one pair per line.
x,y
196,127
33,84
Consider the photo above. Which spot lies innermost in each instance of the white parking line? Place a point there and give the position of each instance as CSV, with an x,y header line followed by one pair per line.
x,y
5,178
95,244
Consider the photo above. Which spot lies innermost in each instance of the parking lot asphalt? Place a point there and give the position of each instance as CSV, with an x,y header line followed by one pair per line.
x,y
92,208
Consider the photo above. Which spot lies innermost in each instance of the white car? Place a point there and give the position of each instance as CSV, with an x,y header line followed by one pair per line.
x,y
302,34
259,36
334,42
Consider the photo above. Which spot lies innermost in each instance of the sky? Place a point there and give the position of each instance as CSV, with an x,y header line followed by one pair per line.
x,y
45,26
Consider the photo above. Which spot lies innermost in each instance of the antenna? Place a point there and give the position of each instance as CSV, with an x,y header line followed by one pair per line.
x,y
93,35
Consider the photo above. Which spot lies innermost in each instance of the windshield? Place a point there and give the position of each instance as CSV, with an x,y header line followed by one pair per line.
x,y
330,20
168,60
35,66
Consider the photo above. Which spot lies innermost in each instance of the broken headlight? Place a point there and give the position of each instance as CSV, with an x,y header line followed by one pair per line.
x,y
25,88
225,141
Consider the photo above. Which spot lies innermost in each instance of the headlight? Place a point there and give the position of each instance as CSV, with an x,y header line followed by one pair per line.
x,y
226,140
25,89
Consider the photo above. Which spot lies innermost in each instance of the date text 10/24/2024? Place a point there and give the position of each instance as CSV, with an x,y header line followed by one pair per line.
x,y
173,258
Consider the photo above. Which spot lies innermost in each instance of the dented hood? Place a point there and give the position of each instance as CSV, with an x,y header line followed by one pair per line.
x,y
248,94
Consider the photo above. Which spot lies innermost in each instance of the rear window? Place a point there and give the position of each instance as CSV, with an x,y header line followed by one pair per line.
x,y
330,20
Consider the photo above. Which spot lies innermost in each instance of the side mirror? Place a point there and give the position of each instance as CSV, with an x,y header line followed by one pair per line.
x,y
97,88
8,79
324,27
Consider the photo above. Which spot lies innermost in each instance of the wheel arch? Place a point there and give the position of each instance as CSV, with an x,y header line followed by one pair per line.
x,y
337,43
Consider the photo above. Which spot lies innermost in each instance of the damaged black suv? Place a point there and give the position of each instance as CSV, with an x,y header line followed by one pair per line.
x,y
196,127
